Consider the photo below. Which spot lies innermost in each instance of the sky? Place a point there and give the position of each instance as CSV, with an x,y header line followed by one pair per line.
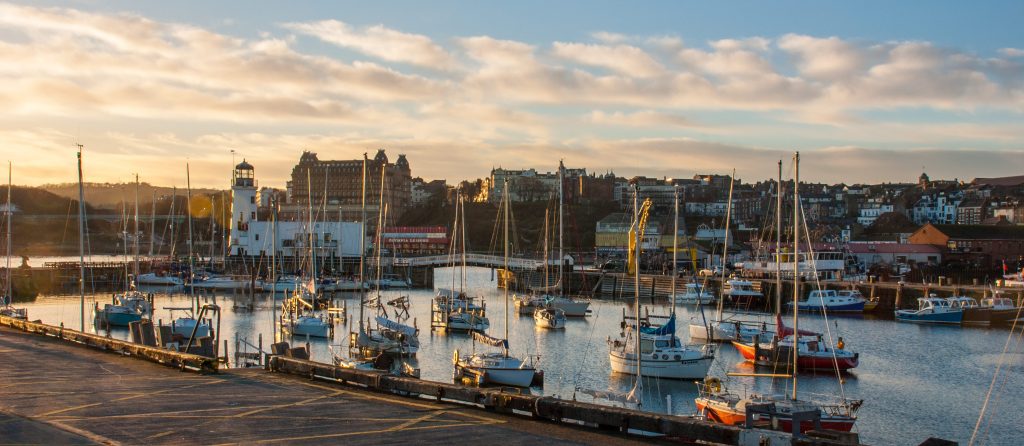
x,y
867,91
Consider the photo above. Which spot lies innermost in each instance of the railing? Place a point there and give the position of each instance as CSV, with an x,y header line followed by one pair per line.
x,y
472,259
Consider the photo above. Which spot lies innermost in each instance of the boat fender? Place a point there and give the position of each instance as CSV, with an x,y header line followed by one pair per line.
x,y
841,344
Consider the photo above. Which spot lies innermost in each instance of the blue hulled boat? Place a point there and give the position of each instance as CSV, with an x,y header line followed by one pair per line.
x,y
931,310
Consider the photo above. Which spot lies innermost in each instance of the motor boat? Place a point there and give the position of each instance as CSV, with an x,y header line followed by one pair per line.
x,y
931,310
974,314
695,293
831,301
157,279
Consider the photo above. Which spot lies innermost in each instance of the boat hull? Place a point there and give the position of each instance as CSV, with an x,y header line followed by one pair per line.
x,y
724,414
572,308
952,317
853,307
120,319
625,363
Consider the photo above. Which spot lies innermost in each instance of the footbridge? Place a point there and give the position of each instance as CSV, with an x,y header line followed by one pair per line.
x,y
472,259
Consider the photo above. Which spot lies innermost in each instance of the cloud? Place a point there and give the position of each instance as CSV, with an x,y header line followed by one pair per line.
x,y
643,118
380,42
139,91
829,58
623,59
1011,52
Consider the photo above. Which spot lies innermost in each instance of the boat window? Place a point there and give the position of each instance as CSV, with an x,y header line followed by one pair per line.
x,y
646,346
661,344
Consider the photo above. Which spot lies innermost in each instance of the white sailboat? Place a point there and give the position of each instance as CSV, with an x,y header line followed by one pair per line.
x,y
549,317
721,329
188,323
389,336
497,368
571,306
301,317
456,310
6,307
655,351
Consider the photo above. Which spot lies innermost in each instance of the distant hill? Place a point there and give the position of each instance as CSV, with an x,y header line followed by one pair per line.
x,y
109,195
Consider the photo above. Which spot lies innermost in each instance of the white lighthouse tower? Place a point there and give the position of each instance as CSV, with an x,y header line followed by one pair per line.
x,y
243,207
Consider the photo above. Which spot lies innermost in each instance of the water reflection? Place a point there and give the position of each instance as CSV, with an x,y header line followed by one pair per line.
x,y
911,376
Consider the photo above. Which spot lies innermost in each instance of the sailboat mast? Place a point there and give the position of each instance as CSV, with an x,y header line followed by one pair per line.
x,y
380,224
778,242
561,215
191,260
273,268
171,222
8,295
507,202
362,250
547,269
725,247
675,244
81,241
636,289
152,225
312,237
136,227
796,262
213,229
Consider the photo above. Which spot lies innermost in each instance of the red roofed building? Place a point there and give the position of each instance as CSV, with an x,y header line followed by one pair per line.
x,y
870,253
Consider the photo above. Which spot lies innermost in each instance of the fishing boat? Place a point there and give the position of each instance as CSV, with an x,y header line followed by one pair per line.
x,y
118,313
549,317
644,349
931,310
974,314
695,293
831,301
742,292
497,368
1003,311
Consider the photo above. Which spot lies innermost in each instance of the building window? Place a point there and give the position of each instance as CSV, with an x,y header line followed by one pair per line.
x,y
257,237
253,215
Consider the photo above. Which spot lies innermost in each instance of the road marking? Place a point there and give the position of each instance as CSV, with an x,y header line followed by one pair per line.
x,y
140,395
352,434
282,406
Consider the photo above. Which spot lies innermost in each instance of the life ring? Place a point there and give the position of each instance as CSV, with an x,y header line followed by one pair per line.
x,y
714,385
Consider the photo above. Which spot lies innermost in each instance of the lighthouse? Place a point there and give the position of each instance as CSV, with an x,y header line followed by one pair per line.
x,y
243,207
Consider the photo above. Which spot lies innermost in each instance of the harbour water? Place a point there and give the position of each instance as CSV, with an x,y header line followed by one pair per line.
x,y
917,381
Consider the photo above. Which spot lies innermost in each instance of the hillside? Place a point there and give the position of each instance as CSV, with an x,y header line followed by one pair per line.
x,y
110,195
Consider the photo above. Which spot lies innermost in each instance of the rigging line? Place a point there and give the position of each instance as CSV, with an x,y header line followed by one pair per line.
x,y
995,375
828,328
1002,384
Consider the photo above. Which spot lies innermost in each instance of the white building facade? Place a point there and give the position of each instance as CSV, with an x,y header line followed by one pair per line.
x,y
252,236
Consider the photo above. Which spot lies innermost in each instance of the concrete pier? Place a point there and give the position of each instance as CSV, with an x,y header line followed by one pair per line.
x,y
53,392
